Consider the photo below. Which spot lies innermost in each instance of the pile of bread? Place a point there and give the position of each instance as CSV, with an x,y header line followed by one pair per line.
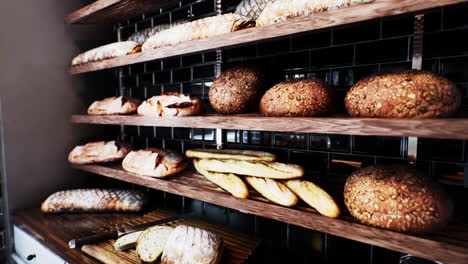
x,y
248,14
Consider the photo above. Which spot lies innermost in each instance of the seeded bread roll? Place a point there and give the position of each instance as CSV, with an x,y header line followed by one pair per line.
x,y
410,94
237,90
397,198
298,97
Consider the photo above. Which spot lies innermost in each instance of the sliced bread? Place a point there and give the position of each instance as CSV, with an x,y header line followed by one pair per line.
x,y
151,243
127,241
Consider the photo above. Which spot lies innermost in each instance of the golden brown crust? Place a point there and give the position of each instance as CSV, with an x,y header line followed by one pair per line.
x,y
235,154
106,106
171,104
273,190
397,198
98,152
410,94
237,90
298,98
154,162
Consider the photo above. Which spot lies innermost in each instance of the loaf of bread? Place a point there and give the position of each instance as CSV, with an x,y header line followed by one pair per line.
x,y
114,106
234,154
228,181
108,51
192,245
274,170
141,36
299,98
237,90
410,94
101,151
314,196
198,29
274,191
154,162
94,200
151,243
397,198
277,11
251,8
171,104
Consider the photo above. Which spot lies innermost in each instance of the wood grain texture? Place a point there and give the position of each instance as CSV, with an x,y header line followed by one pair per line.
x,y
54,231
450,246
379,8
454,128
113,11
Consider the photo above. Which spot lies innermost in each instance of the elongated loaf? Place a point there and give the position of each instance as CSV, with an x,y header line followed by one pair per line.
x,y
191,245
101,151
234,154
114,105
108,51
198,29
94,200
274,170
151,243
228,181
154,162
314,196
274,191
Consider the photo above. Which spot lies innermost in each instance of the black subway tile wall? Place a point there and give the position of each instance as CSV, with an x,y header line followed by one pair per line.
x,y
341,56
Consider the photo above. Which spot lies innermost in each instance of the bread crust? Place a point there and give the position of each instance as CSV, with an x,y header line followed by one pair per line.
x,y
409,94
235,154
108,106
154,162
298,98
171,104
397,198
99,152
108,51
274,191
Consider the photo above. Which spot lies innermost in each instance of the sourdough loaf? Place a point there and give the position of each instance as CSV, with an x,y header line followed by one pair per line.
x,y
171,104
114,105
398,198
410,94
97,152
154,162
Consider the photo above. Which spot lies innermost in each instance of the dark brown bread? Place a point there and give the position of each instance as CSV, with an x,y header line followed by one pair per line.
x,y
398,198
299,97
237,90
410,94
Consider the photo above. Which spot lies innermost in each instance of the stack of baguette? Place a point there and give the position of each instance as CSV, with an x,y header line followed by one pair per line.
x,y
278,182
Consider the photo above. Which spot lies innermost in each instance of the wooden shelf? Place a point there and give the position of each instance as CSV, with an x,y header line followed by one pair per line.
x,y
113,11
450,128
449,246
54,231
317,21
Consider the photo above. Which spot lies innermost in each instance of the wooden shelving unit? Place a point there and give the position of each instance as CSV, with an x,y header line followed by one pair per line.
x,y
113,11
448,246
380,8
454,128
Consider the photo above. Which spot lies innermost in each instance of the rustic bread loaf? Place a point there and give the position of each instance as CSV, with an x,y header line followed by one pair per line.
x,y
151,243
410,94
235,154
154,162
398,198
97,152
251,8
114,105
298,97
171,104
192,245
108,51
94,200
274,191
237,90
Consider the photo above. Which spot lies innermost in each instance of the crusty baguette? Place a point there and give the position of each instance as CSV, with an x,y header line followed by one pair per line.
x,y
273,190
101,151
108,51
151,243
127,241
114,105
274,170
94,200
235,154
314,196
228,181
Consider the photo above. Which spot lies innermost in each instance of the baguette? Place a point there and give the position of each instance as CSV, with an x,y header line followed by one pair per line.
x,y
108,51
235,154
274,170
314,196
273,190
127,241
151,243
229,182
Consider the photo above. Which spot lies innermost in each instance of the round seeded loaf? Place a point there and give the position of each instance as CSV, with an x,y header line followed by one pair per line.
x,y
298,97
410,94
398,198
237,90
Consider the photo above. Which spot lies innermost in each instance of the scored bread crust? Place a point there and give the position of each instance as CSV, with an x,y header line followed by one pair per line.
x,y
235,154
274,191
151,243
108,51
228,181
114,105
94,200
274,170
314,196
171,104
408,94
154,162
98,152
398,198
